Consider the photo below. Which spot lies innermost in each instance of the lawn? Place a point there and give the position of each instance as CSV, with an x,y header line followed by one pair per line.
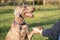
x,y
45,16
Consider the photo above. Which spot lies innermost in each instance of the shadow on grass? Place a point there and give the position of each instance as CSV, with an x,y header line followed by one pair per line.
x,y
6,11
51,39
42,23
4,29
3,32
6,20
47,9
38,9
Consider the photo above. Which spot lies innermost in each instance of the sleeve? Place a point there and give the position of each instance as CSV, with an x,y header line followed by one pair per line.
x,y
47,33
53,32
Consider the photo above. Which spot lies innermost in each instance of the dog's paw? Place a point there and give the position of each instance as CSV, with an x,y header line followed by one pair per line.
x,y
38,30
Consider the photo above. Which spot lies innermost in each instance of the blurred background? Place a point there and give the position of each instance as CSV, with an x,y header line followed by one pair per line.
x,y
29,2
47,13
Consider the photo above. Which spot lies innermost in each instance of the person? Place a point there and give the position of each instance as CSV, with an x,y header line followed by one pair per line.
x,y
53,32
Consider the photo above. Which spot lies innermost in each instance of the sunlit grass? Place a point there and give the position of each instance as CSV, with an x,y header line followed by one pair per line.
x,y
44,16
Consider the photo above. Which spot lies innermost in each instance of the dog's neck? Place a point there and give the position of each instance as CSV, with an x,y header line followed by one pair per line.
x,y
19,20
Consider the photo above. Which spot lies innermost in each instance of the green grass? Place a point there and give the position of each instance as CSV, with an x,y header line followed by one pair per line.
x,y
45,16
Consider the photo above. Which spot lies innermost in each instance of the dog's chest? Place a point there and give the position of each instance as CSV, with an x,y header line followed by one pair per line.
x,y
14,33
18,32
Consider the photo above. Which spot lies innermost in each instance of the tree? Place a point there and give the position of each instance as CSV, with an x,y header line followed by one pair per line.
x,y
5,1
23,1
0,1
44,2
33,2
13,2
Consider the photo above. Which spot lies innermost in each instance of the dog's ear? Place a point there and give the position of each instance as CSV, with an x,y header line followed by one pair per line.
x,y
16,12
19,10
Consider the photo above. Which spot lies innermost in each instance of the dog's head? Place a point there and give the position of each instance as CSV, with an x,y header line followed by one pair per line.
x,y
24,11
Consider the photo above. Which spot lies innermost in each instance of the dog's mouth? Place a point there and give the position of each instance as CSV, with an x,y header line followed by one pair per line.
x,y
29,13
32,13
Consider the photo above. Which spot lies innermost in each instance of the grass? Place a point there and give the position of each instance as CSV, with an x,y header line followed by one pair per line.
x,y
45,16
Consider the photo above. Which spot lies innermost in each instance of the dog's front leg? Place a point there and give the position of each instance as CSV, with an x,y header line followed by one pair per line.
x,y
30,35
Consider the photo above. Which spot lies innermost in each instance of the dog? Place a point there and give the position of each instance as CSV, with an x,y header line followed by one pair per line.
x,y
19,29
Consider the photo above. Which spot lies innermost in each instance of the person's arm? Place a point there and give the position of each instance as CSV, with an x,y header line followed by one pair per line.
x,y
44,32
47,33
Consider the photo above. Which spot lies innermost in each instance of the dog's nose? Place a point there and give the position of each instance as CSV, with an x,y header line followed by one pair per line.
x,y
33,16
33,9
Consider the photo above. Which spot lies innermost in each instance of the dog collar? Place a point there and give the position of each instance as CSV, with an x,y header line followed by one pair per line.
x,y
22,23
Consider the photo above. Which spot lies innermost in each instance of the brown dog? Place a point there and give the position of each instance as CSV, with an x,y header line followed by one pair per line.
x,y
19,29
